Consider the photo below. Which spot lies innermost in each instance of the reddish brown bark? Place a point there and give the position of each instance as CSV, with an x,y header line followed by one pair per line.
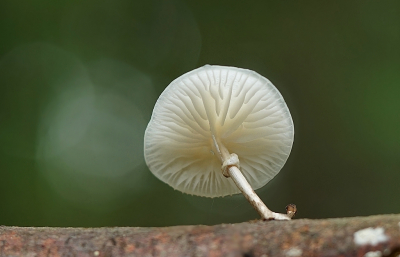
x,y
303,237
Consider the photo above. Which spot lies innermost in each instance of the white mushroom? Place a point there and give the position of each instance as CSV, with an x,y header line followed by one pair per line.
x,y
218,131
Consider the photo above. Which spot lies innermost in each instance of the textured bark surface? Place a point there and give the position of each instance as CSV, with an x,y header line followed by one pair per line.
x,y
303,237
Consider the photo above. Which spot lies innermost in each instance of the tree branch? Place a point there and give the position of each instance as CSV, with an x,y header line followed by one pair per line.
x,y
303,237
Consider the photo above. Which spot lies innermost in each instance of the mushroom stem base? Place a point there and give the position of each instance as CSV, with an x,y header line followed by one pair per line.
x,y
252,197
230,168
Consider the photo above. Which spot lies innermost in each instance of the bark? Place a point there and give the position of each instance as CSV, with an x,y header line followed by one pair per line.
x,y
302,237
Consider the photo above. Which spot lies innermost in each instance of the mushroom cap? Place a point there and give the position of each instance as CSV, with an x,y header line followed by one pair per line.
x,y
242,109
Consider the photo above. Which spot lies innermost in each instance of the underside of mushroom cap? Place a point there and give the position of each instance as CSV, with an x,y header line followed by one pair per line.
x,y
240,108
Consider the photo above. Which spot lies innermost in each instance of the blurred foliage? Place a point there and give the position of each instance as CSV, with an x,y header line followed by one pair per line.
x,y
78,81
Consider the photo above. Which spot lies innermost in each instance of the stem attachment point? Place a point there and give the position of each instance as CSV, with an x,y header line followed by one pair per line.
x,y
232,161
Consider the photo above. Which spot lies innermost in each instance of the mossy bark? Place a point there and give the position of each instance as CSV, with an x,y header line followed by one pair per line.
x,y
302,237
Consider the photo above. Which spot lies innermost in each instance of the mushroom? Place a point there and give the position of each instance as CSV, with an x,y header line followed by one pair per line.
x,y
218,131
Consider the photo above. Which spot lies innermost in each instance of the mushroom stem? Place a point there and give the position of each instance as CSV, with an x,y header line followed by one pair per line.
x,y
243,185
252,197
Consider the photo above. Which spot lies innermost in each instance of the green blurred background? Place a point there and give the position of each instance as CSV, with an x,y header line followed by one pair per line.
x,y
78,81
